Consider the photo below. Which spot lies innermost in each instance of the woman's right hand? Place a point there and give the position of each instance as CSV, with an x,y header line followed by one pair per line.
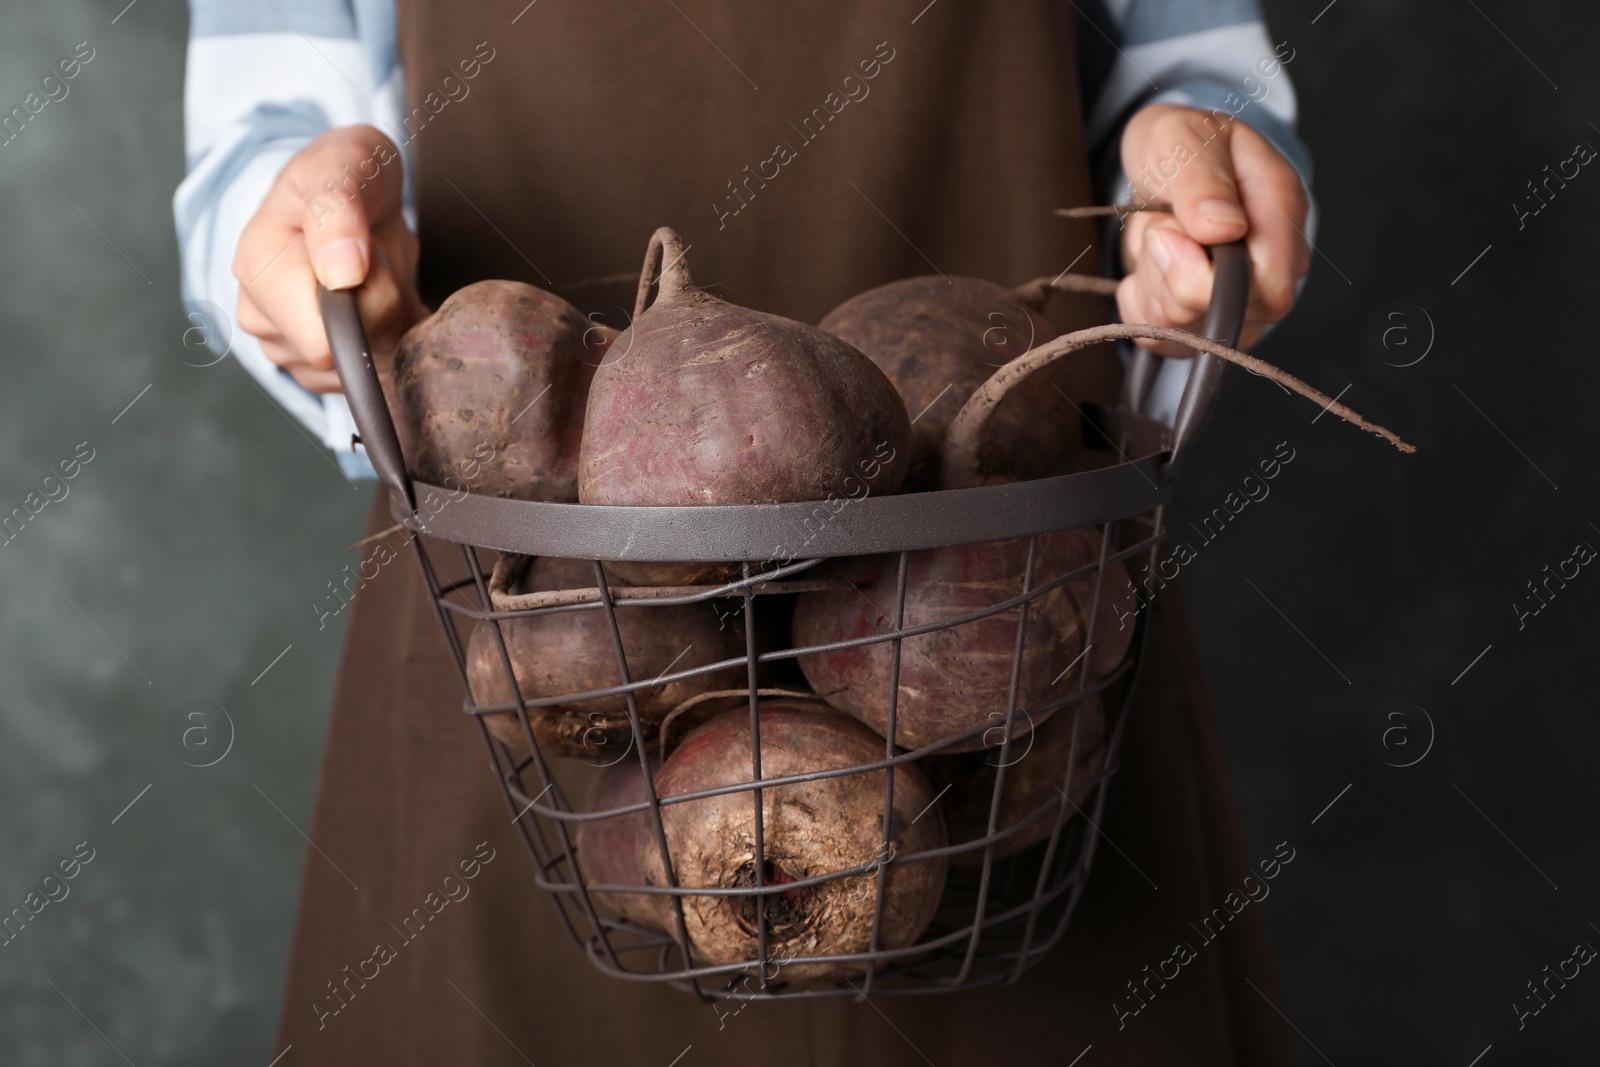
x,y
333,216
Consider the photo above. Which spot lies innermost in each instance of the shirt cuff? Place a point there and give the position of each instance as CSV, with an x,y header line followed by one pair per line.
x,y
236,188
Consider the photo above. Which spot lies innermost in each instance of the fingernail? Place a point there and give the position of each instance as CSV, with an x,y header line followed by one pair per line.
x,y
1155,242
1222,212
341,265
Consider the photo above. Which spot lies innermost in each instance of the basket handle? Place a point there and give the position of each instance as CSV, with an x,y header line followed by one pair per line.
x,y
1230,296
352,359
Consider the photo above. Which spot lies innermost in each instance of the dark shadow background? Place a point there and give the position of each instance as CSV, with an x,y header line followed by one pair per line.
x,y
1415,920
189,549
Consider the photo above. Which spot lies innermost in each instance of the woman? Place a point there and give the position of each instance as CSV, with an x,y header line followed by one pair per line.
x,y
332,140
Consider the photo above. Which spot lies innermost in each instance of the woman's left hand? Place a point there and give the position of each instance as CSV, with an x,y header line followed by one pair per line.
x,y
1224,181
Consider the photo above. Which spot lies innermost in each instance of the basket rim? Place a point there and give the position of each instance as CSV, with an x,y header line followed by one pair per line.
x,y
812,529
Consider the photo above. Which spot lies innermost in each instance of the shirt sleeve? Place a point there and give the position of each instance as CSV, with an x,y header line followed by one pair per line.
x,y
1197,52
1212,54
263,78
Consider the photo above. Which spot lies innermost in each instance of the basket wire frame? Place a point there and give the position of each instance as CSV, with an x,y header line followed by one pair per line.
x,y
984,933
991,936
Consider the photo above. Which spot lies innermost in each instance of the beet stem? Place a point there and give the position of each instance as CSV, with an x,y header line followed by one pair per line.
x,y
1036,292
674,275
966,432
1096,211
554,598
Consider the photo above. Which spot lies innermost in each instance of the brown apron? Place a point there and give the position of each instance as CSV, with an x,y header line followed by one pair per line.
x,y
806,153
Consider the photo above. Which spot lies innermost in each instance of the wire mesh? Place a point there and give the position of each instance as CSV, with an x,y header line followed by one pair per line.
x,y
1009,890
1004,883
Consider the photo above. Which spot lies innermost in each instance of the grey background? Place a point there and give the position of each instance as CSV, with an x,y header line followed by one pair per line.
x,y
196,540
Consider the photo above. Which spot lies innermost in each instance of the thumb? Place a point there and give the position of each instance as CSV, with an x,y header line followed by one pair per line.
x,y
1205,195
342,205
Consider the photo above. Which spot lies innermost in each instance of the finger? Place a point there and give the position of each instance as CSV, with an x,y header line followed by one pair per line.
x,y
286,294
1133,231
1205,197
1131,307
382,304
399,245
343,191
386,313
1179,273
388,298
1182,156
1275,200
281,353
396,260
318,381
265,240
252,321
282,303
1172,258
272,271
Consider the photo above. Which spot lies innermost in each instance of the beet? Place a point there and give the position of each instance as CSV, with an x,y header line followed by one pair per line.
x,y
573,652
1036,772
489,391
953,680
809,829
938,339
608,852
712,403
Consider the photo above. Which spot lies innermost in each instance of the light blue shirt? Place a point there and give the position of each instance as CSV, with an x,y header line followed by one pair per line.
x,y
264,77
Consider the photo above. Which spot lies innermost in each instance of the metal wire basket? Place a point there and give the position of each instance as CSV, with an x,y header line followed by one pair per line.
x,y
999,913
